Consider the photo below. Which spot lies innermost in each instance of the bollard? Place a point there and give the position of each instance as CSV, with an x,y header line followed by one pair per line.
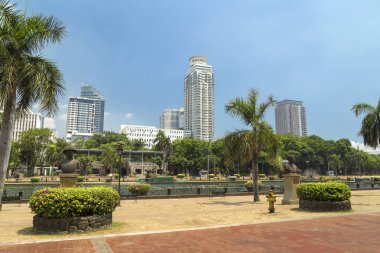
x,y
271,199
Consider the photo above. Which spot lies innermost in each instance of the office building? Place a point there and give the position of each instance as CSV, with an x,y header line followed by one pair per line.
x,y
290,117
85,113
147,134
25,121
199,99
172,118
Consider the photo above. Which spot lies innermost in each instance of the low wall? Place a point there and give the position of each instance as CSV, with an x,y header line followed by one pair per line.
x,y
71,224
325,206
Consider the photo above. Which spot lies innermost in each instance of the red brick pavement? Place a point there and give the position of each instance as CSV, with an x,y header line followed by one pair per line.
x,y
351,233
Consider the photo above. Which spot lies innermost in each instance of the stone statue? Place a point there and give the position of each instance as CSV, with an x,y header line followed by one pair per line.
x,y
69,165
290,167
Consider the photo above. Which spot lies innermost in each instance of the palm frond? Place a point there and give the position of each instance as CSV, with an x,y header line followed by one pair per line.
x,y
361,108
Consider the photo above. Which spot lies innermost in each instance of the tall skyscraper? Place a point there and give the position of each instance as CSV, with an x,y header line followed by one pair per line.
x,y
172,118
199,99
290,117
85,113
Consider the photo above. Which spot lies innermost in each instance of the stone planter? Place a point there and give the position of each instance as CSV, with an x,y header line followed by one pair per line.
x,y
71,224
325,206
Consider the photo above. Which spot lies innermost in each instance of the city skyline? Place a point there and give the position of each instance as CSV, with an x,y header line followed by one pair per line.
x,y
324,54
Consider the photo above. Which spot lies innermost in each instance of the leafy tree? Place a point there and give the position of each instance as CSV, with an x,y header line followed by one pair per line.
x,y
137,145
249,143
54,152
33,145
370,129
109,157
25,76
85,162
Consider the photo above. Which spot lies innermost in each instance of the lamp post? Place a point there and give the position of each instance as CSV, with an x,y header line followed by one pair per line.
x,y
119,152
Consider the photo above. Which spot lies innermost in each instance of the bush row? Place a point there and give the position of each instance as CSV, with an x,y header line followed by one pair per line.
x,y
73,202
329,191
139,189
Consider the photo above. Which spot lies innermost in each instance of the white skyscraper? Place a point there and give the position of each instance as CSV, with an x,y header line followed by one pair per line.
x,y
199,99
290,117
27,120
85,113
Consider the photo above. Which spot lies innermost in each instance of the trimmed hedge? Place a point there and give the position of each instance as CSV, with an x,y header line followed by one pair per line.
x,y
237,175
249,185
73,202
80,179
329,191
181,175
211,175
139,189
35,180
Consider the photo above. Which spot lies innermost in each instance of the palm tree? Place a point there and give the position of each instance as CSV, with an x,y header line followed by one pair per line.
x,y
162,143
25,76
370,129
247,144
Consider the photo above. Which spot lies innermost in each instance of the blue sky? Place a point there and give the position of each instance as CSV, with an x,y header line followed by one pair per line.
x,y
324,53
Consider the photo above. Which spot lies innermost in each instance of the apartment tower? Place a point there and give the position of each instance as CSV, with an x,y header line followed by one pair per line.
x,y
290,117
199,99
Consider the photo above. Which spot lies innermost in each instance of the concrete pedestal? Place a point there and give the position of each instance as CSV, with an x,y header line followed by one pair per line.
x,y
68,179
291,181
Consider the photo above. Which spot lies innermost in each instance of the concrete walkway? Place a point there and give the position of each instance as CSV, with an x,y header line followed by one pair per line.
x,y
347,233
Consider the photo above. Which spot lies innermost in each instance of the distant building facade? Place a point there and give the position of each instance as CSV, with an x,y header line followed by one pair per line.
x,y
27,120
199,99
85,113
172,118
290,118
147,134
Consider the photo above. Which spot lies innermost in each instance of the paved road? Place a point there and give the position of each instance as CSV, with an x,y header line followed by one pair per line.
x,y
349,233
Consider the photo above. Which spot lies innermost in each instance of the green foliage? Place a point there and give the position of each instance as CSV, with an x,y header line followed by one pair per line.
x,y
181,175
73,202
232,178
85,162
249,185
262,176
327,178
81,178
237,175
272,177
329,191
211,175
139,189
35,180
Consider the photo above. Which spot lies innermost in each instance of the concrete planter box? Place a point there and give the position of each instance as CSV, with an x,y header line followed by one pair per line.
x,y
71,224
324,206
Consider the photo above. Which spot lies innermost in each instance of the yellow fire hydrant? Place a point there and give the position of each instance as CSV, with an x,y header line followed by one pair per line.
x,y
271,199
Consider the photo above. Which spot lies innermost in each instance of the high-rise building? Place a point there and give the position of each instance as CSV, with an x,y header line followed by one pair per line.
x,y
172,118
25,121
147,134
290,117
85,113
199,99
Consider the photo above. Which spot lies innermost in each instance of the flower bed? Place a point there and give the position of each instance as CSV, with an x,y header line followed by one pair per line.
x,y
62,209
329,196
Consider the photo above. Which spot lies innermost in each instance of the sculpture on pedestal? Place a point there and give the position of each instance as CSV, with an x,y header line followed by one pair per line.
x,y
69,167
290,167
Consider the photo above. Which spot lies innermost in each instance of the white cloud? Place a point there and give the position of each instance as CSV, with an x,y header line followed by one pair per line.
x,y
63,116
106,114
49,123
63,106
129,115
366,149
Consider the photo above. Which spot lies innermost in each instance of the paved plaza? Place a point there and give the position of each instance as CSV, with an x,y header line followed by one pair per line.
x,y
232,224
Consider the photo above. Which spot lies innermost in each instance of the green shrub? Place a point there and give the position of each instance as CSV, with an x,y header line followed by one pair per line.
x,y
237,175
73,202
35,179
139,189
262,176
249,185
181,175
116,176
329,191
80,179
232,178
211,175
272,177
327,178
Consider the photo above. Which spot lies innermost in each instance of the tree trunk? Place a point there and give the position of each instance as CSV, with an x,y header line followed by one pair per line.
x,y
255,176
6,136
